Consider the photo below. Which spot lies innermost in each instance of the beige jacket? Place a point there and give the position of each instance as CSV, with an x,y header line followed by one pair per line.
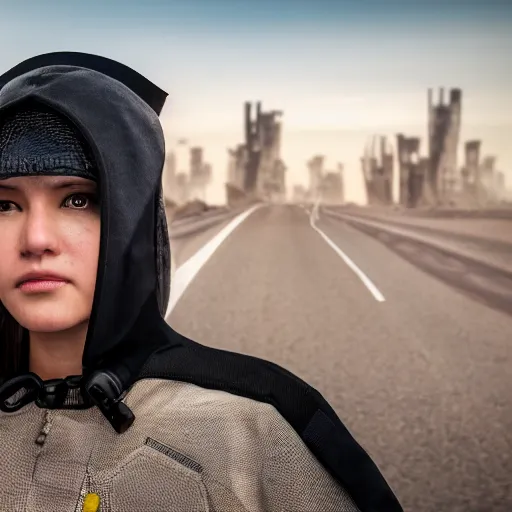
x,y
189,449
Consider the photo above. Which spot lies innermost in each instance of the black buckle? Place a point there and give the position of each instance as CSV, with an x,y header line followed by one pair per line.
x,y
52,394
105,391
30,381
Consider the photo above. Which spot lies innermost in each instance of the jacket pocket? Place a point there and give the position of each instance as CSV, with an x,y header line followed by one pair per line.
x,y
151,479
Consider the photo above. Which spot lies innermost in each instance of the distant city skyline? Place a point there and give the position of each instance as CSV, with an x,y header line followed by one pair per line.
x,y
334,67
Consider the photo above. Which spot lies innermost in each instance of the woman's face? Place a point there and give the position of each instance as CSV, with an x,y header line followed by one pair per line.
x,y
49,226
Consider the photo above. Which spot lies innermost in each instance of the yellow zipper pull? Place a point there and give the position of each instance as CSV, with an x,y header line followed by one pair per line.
x,y
91,503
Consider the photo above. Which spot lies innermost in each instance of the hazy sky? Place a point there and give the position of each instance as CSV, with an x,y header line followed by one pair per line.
x,y
340,70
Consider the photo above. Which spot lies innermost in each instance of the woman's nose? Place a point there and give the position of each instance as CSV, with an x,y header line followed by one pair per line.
x,y
39,234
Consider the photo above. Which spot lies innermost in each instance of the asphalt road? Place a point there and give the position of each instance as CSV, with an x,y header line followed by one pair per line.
x,y
423,378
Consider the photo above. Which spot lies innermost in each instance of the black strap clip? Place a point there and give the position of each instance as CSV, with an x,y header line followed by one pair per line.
x,y
30,385
105,391
53,394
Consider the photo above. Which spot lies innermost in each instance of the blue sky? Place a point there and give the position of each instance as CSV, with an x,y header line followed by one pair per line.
x,y
212,54
329,64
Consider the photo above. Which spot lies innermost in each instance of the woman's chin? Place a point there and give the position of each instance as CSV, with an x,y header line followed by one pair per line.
x,y
51,321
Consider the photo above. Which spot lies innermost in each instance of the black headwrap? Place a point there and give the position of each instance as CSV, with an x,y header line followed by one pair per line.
x,y
35,140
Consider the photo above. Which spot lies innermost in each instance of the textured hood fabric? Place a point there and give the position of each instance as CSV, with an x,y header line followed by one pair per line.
x,y
35,140
116,112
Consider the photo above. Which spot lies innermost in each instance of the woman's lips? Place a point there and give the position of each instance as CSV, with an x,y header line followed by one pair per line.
x,y
42,285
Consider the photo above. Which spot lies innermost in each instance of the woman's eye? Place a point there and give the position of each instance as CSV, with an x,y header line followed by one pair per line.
x,y
6,206
77,201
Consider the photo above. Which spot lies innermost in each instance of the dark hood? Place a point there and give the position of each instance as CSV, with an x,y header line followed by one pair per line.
x,y
116,110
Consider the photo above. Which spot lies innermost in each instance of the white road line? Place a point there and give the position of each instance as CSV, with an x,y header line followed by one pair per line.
x,y
364,278
185,273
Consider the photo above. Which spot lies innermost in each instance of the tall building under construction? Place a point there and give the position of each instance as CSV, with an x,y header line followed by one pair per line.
x,y
200,174
256,167
182,182
324,185
411,170
482,183
377,167
431,180
331,188
444,119
316,170
435,180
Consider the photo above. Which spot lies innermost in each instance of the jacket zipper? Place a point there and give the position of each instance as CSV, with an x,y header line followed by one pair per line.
x,y
41,439
45,428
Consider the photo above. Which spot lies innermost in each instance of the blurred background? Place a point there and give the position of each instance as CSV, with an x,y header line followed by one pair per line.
x,y
338,182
